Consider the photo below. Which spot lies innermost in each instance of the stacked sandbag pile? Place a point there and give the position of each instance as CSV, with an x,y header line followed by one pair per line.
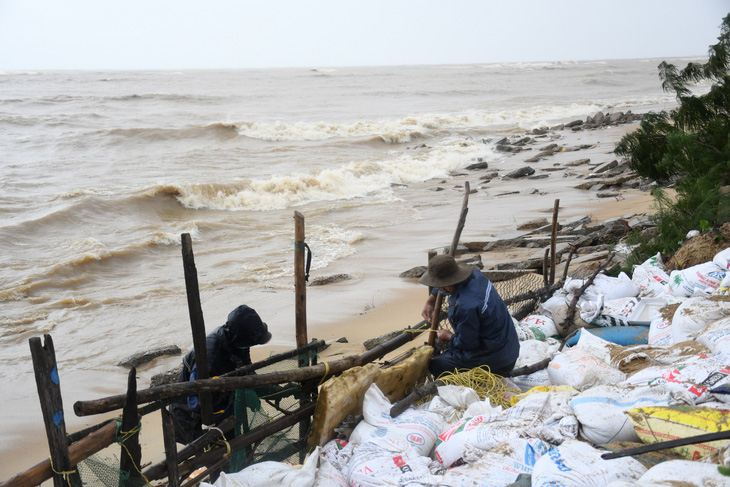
x,y
601,391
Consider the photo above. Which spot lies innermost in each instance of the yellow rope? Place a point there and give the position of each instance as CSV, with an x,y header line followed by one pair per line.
x,y
326,371
123,436
66,473
484,382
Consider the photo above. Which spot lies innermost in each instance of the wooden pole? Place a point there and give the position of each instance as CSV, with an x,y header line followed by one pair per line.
x,y
222,384
49,392
452,253
131,455
168,436
197,324
300,283
553,240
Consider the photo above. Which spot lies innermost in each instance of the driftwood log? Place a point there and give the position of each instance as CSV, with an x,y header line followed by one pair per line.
x,y
222,384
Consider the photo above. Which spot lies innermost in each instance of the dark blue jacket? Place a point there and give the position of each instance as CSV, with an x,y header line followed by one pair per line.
x,y
484,333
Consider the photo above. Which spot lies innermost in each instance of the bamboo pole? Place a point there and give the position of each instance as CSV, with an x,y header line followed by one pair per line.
x,y
49,392
452,253
223,384
664,445
553,239
197,324
131,456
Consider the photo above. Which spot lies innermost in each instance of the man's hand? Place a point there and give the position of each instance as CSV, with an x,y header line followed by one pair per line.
x,y
443,334
427,312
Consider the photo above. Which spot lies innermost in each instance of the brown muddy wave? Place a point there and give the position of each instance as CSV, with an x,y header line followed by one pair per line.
x,y
217,131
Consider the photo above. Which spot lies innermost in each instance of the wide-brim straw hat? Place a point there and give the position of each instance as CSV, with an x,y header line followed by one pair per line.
x,y
443,270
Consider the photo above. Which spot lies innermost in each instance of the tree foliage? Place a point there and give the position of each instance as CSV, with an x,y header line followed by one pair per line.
x,y
687,148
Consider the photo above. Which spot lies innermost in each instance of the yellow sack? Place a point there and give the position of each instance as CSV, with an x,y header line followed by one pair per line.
x,y
515,399
659,424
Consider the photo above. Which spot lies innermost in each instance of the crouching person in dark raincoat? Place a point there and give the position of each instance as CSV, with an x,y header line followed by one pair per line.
x,y
484,333
227,348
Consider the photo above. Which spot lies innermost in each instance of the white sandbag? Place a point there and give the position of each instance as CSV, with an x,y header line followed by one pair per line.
x,y
578,464
337,453
722,259
580,369
600,410
702,279
594,345
534,351
489,470
542,326
380,462
614,287
527,382
416,428
616,312
266,474
487,431
451,402
328,475
660,331
650,278
716,336
694,314
687,382
724,288
554,303
679,472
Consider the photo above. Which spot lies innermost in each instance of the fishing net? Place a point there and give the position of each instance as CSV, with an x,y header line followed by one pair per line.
x,y
102,471
255,408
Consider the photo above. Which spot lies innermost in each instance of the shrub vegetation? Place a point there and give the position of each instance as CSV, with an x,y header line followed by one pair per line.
x,y
687,149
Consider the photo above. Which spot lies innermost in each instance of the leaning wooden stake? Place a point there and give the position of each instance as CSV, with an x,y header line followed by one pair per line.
x,y
452,252
131,456
49,392
197,324
553,240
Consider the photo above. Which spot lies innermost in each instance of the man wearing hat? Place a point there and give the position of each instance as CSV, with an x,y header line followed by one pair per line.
x,y
227,348
484,333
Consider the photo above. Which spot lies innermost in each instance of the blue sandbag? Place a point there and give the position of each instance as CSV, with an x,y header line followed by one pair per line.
x,y
620,335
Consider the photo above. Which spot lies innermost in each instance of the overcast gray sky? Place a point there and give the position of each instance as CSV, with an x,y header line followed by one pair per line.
x,y
178,34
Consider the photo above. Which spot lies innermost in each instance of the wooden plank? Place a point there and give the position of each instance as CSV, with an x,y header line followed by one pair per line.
x,y
49,393
197,324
